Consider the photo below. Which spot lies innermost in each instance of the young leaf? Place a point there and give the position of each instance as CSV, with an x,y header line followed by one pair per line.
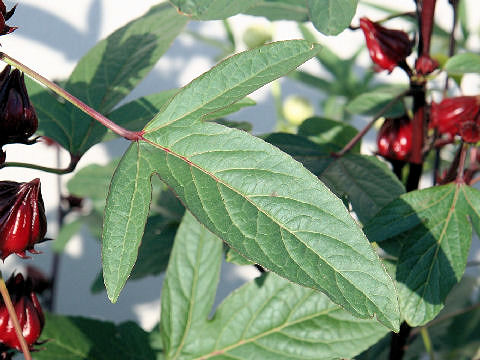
x,y
370,103
77,338
434,232
331,17
189,288
301,231
224,84
463,63
212,10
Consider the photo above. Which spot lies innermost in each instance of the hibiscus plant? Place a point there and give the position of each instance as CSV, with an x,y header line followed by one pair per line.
x,y
355,259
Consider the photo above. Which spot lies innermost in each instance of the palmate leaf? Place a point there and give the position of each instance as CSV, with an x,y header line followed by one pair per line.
x,y
433,234
269,318
105,75
256,198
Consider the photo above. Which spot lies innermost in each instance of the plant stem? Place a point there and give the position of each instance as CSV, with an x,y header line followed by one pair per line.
x,y
461,163
451,45
378,115
117,129
73,164
427,342
13,316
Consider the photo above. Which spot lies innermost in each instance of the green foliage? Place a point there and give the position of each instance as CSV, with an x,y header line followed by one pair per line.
x,y
212,10
463,63
298,322
432,234
331,17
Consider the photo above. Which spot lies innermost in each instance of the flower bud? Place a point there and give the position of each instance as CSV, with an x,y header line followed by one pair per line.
x,y
457,116
425,65
4,16
394,140
28,310
22,217
18,120
387,47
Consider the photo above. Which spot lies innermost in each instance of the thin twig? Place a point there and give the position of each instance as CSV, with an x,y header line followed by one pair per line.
x,y
378,115
13,316
117,129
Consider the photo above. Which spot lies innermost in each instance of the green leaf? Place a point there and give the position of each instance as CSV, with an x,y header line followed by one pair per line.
x,y
301,230
231,109
258,319
109,71
366,182
135,114
188,291
66,232
224,84
77,338
326,131
212,10
370,103
240,125
463,63
434,234
280,10
275,319
126,213
331,17
234,257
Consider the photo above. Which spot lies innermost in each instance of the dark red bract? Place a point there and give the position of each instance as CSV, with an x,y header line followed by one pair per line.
x,y
394,140
425,65
22,217
387,47
28,310
457,116
4,16
18,120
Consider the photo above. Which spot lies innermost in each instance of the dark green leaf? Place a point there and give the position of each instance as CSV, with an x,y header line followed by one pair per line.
x,y
331,17
77,338
212,10
230,109
189,288
434,232
234,257
370,103
109,71
280,10
463,63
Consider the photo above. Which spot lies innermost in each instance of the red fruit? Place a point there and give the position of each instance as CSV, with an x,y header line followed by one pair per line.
x,y
457,116
18,120
22,217
394,140
387,47
28,310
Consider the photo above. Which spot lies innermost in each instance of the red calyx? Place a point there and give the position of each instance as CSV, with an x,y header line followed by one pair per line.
x,y
4,16
22,218
18,120
394,140
387,47
28,310
457,116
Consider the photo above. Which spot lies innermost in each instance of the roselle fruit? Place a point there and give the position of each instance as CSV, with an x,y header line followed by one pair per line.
x,y
22,217
4,16
387,48
394,139
18,120
28,310
457,116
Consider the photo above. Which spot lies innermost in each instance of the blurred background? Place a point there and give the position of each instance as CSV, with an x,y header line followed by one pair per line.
x,y
54,34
